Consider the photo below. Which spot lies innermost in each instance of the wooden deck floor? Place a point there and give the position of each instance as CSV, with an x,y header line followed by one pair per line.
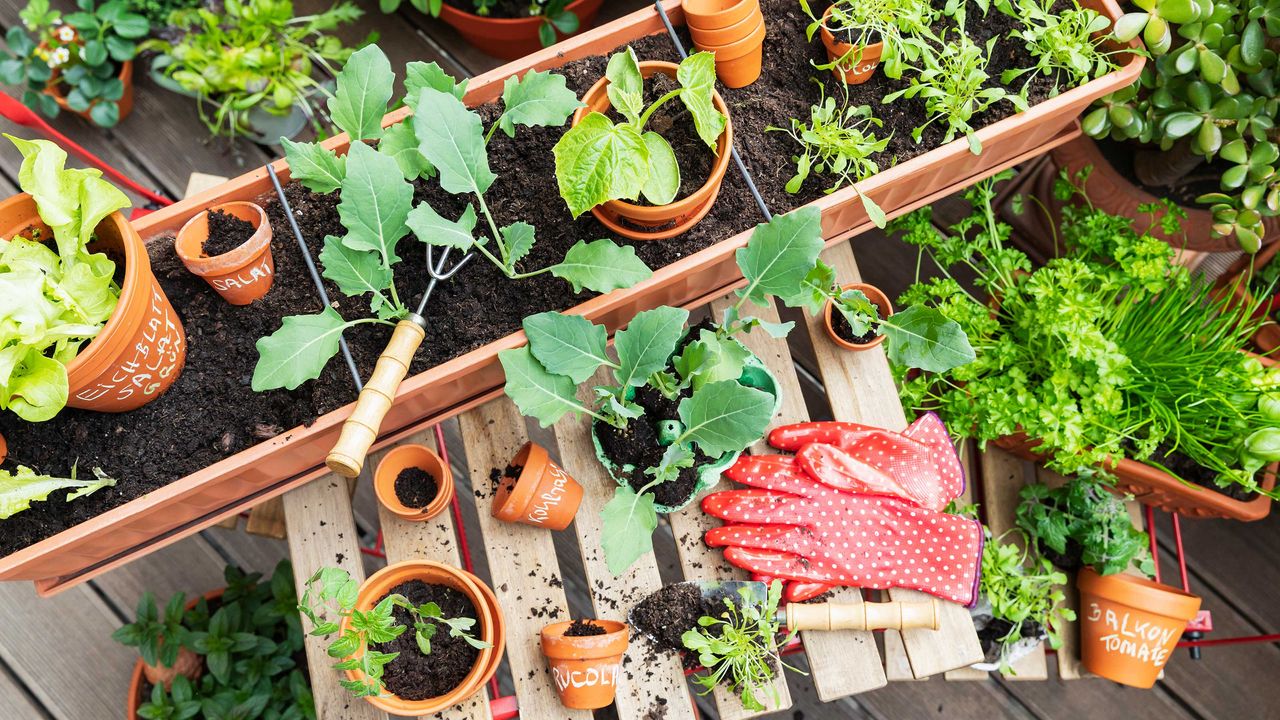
x,y
57,659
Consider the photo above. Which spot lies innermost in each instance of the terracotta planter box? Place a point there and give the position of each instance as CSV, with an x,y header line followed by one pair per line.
x,y
1235,280
296,456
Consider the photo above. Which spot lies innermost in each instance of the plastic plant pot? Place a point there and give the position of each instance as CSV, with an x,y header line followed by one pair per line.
x,y
861,70
876,297
402,458
739,51
661,222
702,15
491,628
585,668
511,38
543,496
241,275
138,354
1129,626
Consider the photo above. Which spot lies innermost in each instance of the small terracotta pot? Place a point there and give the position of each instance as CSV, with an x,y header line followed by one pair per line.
x,y
143,672
491,628
140,351
543,496
1129,625
125,103
674,218
876,297
241,275
866,65
512,38
739,50
703,15
413,456
585,668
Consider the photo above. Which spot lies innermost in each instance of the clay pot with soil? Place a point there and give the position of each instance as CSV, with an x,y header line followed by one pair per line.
x,y
511,38
534,490
734,30
1129,626
124,105
413,482
854,64
229,245
839,329
585,658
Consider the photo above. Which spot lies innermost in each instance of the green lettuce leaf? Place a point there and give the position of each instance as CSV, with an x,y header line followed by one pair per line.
x,y
19,489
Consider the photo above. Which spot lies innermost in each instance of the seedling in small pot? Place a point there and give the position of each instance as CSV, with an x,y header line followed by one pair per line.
x,y
554,14
1066,44
851,28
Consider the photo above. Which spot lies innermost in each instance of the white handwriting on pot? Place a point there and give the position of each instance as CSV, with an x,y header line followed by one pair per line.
x,y
547,500
590,677
1140,639
245,278
154,359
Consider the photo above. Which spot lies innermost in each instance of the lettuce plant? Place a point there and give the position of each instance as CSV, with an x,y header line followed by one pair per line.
x,y
55,299
599,160
443,140
21,488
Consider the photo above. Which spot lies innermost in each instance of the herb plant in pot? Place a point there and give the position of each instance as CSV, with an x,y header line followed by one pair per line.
x,y
415,638
229,245
1082,524
585,658
413,482
858,33
513,29
607,166
536,491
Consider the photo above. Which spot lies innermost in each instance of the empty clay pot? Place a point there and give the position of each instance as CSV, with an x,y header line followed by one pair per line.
x,y
876,297
739,50
1129,626
543,496
861,70
413,456
585,668
241,275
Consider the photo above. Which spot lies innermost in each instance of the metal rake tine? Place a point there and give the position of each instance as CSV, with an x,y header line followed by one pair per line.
x,y
453,270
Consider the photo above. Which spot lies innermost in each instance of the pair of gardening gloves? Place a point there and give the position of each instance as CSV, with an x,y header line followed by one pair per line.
x,y
855,505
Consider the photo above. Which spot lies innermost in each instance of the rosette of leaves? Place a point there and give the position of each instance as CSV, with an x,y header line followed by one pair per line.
x,y
1066,44
599,160
444,141
1080,524
1209,96
718,416
80,52
866,22
554,14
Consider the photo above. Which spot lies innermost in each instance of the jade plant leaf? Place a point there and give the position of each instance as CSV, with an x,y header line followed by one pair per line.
x,y
433,229
518,238
451,138
725,416
23,487
401,142
568,345
601,266
355,272
629,521
597,161
537,393
780,255
537,99
298,351
418,75
664,170
647,342
318,168
375,203
626,85
364,89
697,76
922,337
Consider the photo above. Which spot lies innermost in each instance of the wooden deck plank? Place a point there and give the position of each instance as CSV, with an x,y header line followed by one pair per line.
x,y
16,702
521,561
860,389
191,566
645,682
968,460
840,663
1093,697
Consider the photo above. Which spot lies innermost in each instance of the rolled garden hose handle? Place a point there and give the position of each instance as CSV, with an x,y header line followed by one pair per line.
x,y
361,428
863,616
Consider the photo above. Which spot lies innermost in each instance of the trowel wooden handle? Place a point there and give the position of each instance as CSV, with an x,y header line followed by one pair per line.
x,y
361,429
863,616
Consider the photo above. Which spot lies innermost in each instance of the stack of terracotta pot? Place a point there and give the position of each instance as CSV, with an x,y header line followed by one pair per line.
x,y
734,31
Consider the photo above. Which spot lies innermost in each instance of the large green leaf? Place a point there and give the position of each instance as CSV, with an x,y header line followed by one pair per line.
x,y
451,138
355,272
664,170
629,521
537,393
418,75
318,168
597,161
648,341
298,351
433,229
19,489
697,75
922,337
375,203
780,254
364,89
711,359
36,389
401,142
626,85
724,417
537,99
568,345
601,265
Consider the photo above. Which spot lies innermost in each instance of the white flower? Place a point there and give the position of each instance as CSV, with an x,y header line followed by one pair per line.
x,y
66,33
58,57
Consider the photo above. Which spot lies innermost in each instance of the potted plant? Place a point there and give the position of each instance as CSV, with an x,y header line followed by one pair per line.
x,y
859,34
585,658
534,490
602,164
1130,626
81,62
453,649
413,482
513,30
237,647
1082,524
252,67
229,245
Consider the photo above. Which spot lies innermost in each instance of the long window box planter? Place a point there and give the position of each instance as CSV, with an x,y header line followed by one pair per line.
x,y
296,456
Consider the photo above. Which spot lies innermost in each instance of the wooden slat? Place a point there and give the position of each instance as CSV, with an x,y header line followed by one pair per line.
x,y
522,561
191,566
16,702
644,679
968,452
840,663
860,388
322,533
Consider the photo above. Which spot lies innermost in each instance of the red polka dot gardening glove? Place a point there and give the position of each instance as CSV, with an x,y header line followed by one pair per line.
x,y
845,514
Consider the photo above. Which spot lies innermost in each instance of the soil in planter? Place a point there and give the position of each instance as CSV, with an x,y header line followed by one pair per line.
x,y
1184,467
637,445
226,233
584,628
990,637
414,676
210,413
844,330
415,487
674,123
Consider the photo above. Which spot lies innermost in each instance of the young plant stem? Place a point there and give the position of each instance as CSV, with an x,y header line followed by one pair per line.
x,y
648,113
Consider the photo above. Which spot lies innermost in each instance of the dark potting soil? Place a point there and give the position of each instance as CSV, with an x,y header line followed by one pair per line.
x,y
226,233
998,628
1185,468
505,476
210,413
1069,561
668,613
415,487
637,445
414,676
584,628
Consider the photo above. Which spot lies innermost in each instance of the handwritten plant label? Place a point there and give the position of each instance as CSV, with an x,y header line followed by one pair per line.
x,y
1122,633
148,366
543,504
594,676
246,277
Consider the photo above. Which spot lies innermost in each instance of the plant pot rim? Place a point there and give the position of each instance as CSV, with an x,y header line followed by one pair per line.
x,y
555,644
1140,593
833,44
434,465
717,19
190,251
726,52
877,298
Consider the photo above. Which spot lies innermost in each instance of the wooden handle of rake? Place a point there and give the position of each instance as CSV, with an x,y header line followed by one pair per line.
x,y
863,616
361,428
